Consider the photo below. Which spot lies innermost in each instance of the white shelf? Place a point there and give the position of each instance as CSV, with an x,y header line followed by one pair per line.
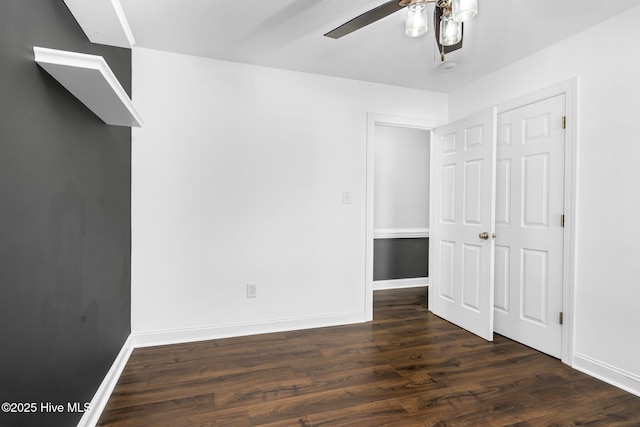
x,y
89,78
103,21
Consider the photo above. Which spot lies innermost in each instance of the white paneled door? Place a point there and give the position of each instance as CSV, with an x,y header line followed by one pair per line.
x,y
529,218
461,252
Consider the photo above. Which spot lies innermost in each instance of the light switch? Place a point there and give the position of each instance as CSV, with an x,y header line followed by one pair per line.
x,y
346,197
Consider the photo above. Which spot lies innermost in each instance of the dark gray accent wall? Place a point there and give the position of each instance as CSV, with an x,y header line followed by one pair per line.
x,y
65,234
404,258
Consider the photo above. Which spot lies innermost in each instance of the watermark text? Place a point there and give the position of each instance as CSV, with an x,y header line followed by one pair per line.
x,y
44,407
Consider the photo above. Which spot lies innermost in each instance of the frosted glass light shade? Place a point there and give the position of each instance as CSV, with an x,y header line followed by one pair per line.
x,y
450,31
416,20
463,10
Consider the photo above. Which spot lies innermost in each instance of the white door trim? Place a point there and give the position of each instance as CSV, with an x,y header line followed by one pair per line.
x,y
374,119
570,89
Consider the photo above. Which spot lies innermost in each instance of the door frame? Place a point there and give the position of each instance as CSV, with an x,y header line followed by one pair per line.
x,y
374,120
569,88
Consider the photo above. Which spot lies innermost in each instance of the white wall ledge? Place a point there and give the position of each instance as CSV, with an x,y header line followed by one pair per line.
x,y
400,233
89,78
103,21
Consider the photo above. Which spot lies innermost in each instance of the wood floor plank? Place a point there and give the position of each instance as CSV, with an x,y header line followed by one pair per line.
x,y
407,368
202,384
155,413
379,413
336,399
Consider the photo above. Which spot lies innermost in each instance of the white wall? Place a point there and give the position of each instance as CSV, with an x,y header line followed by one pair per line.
x,y
605,57
401,178
238,176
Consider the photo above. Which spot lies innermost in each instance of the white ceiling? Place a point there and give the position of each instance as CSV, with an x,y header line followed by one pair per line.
x,y
289,34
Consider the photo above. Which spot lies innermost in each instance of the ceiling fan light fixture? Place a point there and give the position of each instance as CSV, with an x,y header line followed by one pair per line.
x,y
450,31
416,25
463,10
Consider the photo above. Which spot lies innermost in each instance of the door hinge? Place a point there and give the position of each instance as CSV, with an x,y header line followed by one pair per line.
x,y
561,318
564,122
562,220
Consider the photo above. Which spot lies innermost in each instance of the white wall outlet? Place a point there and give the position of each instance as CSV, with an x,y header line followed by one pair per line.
x,y
346,197
252,290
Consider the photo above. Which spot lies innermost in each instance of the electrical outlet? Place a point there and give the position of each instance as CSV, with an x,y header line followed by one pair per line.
x,y
252,290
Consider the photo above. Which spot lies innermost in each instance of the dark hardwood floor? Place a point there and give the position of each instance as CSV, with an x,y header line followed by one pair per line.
x,y
406,368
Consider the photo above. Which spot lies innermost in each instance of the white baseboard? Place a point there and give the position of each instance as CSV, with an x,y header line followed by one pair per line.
x,y
176,336
99,401
400,283
607,373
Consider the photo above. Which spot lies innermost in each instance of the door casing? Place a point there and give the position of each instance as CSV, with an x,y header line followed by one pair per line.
x,y
374,120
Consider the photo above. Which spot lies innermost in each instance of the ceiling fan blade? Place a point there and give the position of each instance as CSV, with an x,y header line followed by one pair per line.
x,y
365,19
437,15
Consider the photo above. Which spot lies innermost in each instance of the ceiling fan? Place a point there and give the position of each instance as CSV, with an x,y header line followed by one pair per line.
x,y
449,16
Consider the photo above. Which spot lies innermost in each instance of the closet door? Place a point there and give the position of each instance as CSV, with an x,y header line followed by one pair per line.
x,y
461,260
529,221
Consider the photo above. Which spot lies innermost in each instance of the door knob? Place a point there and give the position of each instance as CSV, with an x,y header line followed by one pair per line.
x,y
484,235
